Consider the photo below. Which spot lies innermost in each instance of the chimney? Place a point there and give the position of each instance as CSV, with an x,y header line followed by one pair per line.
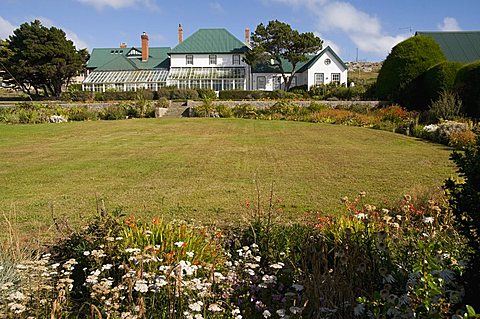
x,y
180,34
247,37
123,45
144,47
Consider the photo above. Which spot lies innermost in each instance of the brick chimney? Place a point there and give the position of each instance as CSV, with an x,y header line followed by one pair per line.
x,y
123,45
247,37
144,47
180,34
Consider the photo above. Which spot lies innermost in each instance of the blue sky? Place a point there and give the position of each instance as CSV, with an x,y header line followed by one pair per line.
x,y
371,26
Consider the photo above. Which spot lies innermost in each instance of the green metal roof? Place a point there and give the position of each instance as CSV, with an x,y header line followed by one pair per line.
x,y
458,46
210,41
116,59
301,67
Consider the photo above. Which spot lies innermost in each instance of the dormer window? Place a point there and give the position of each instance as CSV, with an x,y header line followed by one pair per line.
x,y
236,59
212,59
189,59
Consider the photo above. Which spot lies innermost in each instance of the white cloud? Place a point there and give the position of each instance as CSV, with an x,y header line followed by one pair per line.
x,y
363,29
449,24
120,4
329,43
6,28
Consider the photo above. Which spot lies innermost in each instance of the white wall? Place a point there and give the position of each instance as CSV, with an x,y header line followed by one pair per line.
x,y
270,80
203,60
327,70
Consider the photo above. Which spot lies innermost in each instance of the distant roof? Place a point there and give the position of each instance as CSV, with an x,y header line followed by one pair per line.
x,y
459,46
211,41
301,67
123,59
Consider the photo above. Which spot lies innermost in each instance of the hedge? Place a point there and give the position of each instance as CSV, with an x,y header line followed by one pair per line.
x,y
466,85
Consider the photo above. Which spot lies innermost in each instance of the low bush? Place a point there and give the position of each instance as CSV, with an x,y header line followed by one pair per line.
x,y
447,107
113,112
81,113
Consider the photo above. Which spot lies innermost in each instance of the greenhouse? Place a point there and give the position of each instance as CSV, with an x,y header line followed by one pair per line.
x,y
217,79
101,81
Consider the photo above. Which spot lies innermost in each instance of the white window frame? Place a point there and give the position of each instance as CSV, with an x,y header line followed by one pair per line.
x,y
318,79
264,79
189,59
212,59
335,78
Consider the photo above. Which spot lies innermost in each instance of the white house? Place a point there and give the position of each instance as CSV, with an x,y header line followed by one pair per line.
x,y
209,58
322,68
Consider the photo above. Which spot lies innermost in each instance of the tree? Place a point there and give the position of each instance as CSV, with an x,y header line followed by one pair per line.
x,y
466,84
41,58
408,60
278,43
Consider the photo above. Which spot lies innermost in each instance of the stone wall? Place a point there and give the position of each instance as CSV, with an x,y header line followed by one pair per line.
x,y
265,104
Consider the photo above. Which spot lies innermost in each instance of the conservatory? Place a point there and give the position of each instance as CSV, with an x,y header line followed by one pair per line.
x,y
101,81
217,79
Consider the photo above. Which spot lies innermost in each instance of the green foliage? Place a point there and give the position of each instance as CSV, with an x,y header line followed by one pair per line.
x,y
223,111
447,107
428,86
184,94
464,199
335,91
82,113
114,112
408,60
205,109
239,95
279,42
466,85
206,94
42,58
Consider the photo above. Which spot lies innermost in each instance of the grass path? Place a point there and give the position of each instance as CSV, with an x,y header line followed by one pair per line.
x,y
204,168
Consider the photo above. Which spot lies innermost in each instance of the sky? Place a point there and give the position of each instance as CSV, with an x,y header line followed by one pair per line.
x,y
357,29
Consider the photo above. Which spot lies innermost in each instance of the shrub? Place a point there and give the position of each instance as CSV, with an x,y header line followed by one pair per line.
x,y
462,140
284,108
207,94
184,94
205,109
407,60
466,85
464,199
245,111
447,107
223,111
428,86
81,113
113,112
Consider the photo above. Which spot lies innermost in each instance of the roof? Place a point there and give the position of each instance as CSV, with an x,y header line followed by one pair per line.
x,y
301,67
122,59
458,46
210,41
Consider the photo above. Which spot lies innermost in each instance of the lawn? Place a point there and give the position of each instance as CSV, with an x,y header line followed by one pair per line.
x,y
204,168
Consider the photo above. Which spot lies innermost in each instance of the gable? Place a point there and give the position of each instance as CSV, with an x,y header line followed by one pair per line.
x,y
457,46
110,59
210,41
301,67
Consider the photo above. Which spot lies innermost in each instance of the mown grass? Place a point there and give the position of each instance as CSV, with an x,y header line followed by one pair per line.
x,y
204,168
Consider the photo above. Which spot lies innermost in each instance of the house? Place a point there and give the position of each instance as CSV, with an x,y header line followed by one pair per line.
x,y
322,68
127,69
457,46
209,58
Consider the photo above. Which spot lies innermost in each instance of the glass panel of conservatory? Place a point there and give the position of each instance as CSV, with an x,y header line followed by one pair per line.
x,y
130,87
228,84
239,84
194,84
206,84
217,85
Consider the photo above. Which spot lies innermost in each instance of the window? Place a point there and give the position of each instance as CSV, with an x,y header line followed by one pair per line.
x,y
217,85
328,61
319,79
261,83
236,59
213,59
336,78
189,59
239,84
276,82
228,84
